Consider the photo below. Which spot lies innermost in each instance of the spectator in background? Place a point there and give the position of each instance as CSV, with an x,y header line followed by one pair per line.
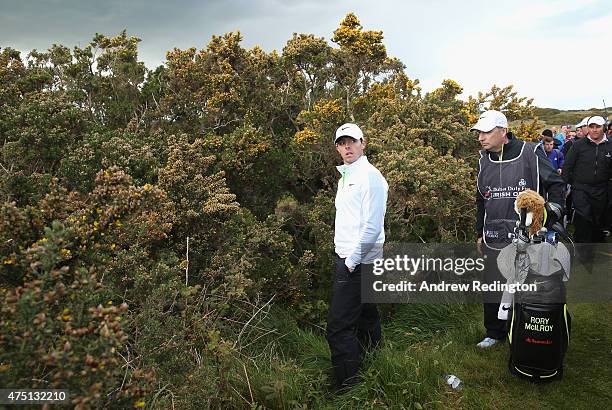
x,y
570,133
571,136
578,134
584,127
559,139
554,155
588,168
547,133
608,230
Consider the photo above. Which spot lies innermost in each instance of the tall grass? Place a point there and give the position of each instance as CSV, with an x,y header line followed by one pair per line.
x,y
290,368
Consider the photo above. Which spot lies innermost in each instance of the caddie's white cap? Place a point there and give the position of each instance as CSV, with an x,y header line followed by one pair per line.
x,y
348,130
489,120
596,120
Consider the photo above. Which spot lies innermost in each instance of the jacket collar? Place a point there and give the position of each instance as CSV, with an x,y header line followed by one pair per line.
x,y
509,148
361,161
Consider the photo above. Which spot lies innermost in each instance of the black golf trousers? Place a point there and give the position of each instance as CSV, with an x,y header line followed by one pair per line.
x,y
353,328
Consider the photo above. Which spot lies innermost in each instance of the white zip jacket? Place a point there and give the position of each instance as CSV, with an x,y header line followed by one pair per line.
x,y
361,202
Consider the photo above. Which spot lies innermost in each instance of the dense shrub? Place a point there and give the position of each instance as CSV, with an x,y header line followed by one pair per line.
x,y
152,222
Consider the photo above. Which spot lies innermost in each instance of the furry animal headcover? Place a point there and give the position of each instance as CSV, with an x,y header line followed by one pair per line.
x,y
535,205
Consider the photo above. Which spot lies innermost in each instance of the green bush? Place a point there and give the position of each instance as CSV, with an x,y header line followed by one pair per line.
x,y
166,236
60,329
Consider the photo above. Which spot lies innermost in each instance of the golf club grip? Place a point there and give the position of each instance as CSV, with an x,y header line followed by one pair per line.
x,y
523,217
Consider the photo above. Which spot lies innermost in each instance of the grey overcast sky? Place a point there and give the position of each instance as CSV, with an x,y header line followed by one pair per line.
x,y
557,51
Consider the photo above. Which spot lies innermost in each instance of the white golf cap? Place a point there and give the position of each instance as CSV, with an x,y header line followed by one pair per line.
x,y
489,120
596,120
583,123
348,130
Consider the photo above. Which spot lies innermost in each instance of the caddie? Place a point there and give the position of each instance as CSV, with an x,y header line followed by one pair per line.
x,y
507,166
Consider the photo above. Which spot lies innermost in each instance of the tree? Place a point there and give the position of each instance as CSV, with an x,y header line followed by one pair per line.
x,y
517,109
311,58
359,60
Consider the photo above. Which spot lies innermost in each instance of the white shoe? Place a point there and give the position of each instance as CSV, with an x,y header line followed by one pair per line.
x,y
487,342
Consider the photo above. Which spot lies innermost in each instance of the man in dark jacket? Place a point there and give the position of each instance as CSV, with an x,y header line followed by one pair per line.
x,y
507,166
588,169
581,132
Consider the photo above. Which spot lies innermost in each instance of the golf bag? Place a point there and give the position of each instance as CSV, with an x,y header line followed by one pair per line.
x,y
539,330
539,322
